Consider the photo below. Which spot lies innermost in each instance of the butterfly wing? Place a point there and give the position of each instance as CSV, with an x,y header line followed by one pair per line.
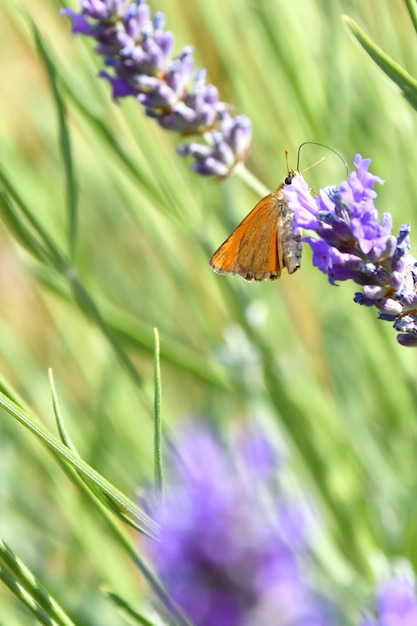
x,y
264,242
253,249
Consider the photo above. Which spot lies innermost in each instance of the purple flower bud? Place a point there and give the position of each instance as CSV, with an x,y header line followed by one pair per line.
x,y
390,307
230,146
119,86
80,23
360,298
397,280
407,323
375,292
408,300
387,317
408,341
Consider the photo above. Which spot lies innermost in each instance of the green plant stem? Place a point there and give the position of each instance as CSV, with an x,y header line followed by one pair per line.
x,y
147,525
393,70
159,472
89,307
412,10
252,182
28,589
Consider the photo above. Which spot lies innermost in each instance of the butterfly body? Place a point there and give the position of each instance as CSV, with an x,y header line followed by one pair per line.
x,y
264,242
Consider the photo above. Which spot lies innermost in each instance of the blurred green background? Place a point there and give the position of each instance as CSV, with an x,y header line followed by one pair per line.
x,y
297,356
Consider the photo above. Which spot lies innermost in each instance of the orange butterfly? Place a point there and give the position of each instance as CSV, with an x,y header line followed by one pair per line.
x,y
264,242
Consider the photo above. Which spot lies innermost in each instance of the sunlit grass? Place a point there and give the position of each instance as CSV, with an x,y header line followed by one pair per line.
x,y
297,355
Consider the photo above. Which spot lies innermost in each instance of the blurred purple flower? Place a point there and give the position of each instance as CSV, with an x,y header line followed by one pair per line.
x,y
139,54
351,243
228,555
258,455
396,605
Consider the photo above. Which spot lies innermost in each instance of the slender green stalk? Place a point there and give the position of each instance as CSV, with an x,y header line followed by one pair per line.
x,y
159,471
27,588
412,10
89,307
21,594
65,145
145,523
393,70
130,610
252,182
66,439
125,542
64,267
55,256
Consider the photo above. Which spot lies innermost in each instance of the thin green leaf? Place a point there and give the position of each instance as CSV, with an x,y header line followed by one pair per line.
x,y
22,234
110,140
28,587
98,493
90,308
12,394
136,335
64,142
126,542
252,182
66,439
412,10
406,83
132,332
145,523
126,607
25,598
122,537
159,470
54,255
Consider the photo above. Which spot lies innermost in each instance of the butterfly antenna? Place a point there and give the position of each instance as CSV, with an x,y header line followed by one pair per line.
x,y
286,161
315,143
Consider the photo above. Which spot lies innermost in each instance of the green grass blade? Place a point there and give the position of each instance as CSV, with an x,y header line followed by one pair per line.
x,y
136,335
111,142
54,254
20,231
406,83
66,439
28,589
25,598
89,307
145,524
159,471
412,10
128,609
56,259
64,143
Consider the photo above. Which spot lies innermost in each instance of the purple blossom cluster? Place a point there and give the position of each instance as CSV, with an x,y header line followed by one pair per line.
x,y
139,54
230,552
352,243
234,551
396,605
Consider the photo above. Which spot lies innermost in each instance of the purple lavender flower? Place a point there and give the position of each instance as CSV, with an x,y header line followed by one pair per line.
x,y
229,555
351,242
138,52
396,605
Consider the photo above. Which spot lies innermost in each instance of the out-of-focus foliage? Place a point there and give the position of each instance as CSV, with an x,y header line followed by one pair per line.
x,y
298,356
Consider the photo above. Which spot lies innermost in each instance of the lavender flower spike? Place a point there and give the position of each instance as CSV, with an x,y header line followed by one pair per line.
x,y
138,53
351,242
229,553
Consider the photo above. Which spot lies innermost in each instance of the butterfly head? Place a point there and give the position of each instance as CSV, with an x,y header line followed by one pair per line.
x,y
290,176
